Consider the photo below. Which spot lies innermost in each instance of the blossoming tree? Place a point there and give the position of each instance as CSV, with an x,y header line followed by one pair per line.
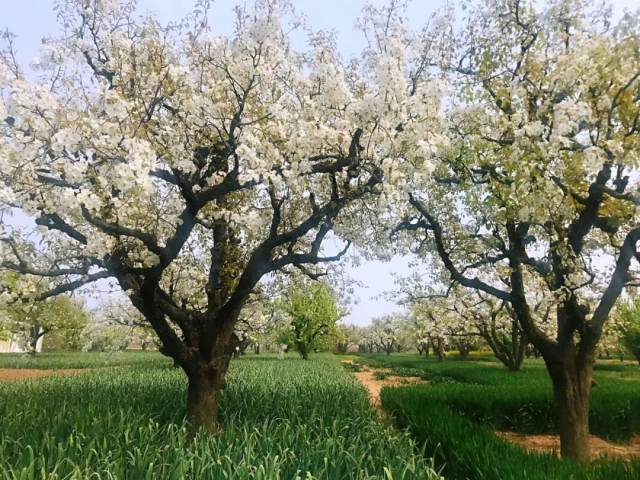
x,y
538,190
186,166
310,312
386,333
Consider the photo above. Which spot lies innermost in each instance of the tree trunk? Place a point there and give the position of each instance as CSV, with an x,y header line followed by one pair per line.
x,y
514,364
518,348
572,380
463,350
203,395
509,349
34,336
303,350
438,349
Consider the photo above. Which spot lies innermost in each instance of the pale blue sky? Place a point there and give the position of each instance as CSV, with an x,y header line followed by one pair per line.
x,y
31,20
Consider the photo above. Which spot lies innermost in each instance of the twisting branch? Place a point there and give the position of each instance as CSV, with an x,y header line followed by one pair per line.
x,y
117,230
619,279
53,221
73,285
456,274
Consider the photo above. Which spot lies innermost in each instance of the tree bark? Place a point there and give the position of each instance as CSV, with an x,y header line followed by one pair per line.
x,y
515,363
438,348
34,336
303,350
423,348
572,379
206,383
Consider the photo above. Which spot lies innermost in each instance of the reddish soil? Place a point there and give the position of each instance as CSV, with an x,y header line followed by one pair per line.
x,y
367,378
551,443
539,443
20,373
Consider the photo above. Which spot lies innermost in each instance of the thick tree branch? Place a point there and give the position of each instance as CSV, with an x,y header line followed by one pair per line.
x,y
618,280
446,258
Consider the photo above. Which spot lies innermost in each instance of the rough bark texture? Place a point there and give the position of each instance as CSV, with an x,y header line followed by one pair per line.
x,y
203,396
572,380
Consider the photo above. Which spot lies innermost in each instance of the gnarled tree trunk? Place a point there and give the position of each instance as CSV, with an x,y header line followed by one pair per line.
x,y
572,380
35,334
206,383
203,397
206,368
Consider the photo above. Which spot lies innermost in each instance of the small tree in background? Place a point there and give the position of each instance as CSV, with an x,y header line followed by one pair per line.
x,y
386,333
69,337
630,316
343,338
119,319
105,337
255,323
311,312
62,317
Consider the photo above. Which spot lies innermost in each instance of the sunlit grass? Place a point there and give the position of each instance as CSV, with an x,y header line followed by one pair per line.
x,y
456,412
283,419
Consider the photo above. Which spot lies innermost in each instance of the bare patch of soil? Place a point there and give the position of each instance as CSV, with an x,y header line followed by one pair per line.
x,y
19,373
551,444
374,386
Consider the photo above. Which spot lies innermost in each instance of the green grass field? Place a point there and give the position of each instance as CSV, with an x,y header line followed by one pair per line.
x,y
290,419
283,419
48,361
455,414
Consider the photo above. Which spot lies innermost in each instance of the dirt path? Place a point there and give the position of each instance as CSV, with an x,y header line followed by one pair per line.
x,y
367,377
19,373
539,443
551,444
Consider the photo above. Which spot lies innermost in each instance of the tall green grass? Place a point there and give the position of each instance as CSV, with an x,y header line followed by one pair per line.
x,y
56,360
283,419
467,449
457,412
487,392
